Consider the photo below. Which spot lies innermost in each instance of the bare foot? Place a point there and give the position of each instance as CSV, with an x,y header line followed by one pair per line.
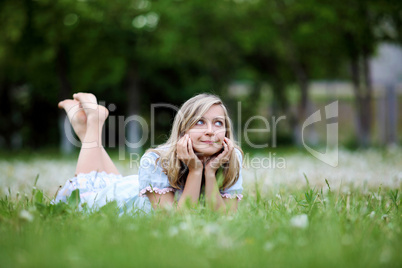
x,y
96,114
76,115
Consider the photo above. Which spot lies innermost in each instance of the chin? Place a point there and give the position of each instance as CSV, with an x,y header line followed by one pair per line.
x,y
207,151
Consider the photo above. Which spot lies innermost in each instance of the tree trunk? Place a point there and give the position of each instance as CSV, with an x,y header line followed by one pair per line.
x,y
363,98
66,146
284,107
302,80
392,115
6,125
133,108
300,71
368,96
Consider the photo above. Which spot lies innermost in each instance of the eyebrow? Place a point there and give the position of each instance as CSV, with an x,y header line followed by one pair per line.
x,y
218,117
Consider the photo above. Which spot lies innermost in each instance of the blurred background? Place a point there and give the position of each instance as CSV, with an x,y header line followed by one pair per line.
x,y
264,58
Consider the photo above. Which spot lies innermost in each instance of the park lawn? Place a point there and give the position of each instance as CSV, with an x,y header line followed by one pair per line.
x,y
306,227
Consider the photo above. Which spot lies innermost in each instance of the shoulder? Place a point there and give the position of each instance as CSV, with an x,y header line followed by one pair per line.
x,y
237,187
239,153
235,190
150,173
149,158
155,153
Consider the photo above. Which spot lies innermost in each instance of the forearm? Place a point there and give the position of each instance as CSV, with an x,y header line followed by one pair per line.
x,y
191,189
212,194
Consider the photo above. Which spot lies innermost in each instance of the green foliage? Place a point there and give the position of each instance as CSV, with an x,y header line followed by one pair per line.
x,y
351,229
393,194
74,199
172,50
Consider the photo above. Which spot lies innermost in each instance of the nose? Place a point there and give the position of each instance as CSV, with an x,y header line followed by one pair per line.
x,y
209,130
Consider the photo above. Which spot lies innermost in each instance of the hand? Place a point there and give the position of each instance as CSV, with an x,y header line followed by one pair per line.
x,y
214,163
185,153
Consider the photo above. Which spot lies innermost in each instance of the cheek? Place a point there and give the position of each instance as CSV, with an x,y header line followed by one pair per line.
x,y
193,134
220,134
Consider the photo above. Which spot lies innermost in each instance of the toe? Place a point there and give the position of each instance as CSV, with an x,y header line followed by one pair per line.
x,y
77,96
69,105
85,97
61,105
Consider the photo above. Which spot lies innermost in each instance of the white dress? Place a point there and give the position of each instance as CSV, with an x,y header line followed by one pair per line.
x,y
98,188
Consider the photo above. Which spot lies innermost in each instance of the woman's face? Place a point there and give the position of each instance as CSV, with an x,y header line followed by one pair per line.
x,y
209,131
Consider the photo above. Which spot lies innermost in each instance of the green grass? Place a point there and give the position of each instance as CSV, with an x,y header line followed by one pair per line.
x,y
354,229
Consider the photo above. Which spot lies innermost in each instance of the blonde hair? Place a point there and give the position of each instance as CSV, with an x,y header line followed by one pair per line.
x,y
190,112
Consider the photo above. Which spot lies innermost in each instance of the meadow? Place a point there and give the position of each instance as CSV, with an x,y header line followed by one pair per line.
x,y
303,214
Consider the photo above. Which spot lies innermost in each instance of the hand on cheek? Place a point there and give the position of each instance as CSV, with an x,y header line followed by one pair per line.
x,y
185,153
214,163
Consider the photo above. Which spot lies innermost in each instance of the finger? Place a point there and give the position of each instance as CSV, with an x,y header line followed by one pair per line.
x,y
179,148
180,141
187,154
225,155
230,145
186,145
226,148
182,138
190,147
183,147
224,152
191,151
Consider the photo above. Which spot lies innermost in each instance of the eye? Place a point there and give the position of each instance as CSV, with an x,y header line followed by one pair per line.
x,y
200,122
219,123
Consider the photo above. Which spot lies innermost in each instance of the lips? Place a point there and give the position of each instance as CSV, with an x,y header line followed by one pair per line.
x,y
210,142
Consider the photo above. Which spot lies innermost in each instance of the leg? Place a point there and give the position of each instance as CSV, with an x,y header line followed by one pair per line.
x,y
87,119
108,163
92,155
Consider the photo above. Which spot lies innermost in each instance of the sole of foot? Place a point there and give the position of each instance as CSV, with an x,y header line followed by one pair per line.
x,y
76,116
93,111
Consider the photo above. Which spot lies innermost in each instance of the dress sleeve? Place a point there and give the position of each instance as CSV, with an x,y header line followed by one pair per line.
x,y
151,176
236,189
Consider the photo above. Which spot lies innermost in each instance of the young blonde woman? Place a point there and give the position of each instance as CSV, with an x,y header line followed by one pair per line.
x,y
200,158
